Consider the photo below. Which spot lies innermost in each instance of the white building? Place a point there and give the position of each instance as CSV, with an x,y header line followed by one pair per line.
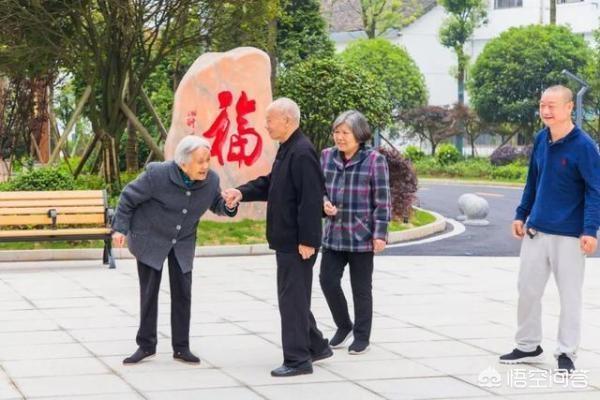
x,y
436,62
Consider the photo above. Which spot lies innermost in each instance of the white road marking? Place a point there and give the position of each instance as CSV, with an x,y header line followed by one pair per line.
x,y
458,228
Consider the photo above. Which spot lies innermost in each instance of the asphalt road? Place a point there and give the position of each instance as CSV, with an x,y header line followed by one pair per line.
x,y
492,240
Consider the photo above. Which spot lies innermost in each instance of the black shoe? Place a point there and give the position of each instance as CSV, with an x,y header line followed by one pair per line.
x,y
284,371
186,356
517,356
326,353
138,356
565,364
358,347
340,338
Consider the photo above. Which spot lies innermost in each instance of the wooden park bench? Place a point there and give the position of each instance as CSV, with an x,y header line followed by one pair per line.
x,y
57,215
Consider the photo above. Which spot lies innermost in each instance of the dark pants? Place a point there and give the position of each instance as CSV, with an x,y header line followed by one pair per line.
x,y
181,299
361,278
299,334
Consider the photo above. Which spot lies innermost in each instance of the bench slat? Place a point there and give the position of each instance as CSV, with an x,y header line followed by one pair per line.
x,y
59,210
51,204
67,194
45,220
57,232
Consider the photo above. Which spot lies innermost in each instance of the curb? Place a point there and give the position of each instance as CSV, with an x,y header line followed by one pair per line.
x,y
465,182
438,225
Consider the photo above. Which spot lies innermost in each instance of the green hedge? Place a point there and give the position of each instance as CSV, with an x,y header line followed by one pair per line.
x,y
471,168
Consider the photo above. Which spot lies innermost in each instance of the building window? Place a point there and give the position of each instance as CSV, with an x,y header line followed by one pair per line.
x,y
508,3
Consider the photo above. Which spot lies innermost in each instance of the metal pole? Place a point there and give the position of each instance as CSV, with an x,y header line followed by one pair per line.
x,y
579,105
579,99
377,139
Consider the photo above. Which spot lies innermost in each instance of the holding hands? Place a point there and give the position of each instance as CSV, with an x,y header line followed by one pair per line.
x,y
232,197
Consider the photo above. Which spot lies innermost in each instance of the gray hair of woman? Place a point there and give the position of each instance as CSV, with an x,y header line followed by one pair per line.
x,y
187,146
357,123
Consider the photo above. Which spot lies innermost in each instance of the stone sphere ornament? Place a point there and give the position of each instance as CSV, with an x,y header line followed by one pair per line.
x,y
473,210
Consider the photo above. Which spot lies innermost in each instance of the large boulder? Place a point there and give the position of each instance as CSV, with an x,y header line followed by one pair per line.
x,y
223,97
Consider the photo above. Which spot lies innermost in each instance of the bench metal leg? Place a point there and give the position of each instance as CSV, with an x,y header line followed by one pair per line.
x,y
107,256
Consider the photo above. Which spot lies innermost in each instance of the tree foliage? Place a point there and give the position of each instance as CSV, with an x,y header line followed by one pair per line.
x,y
432,124
378,16
301,33
325,88
592,97
394,67
464,17
508,77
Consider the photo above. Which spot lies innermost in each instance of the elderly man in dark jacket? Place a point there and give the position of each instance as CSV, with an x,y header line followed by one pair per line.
x,y
294,193
159,214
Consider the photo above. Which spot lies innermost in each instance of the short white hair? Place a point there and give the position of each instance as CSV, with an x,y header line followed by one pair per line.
x,y
287,107
187,146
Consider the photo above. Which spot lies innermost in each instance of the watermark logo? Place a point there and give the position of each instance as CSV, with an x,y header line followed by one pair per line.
x,y
489,378
521,378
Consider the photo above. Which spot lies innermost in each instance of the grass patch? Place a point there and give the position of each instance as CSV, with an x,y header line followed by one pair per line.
x,y
62,244
242,232
211,233
418,218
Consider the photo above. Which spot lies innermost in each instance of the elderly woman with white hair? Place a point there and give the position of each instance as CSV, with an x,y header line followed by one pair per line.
x,y
358,209
158,213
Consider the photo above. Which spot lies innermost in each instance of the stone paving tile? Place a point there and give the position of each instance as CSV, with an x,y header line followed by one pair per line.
x,y
423,388
439,325
317,391
72,386
54,367
42,351
179,379
234,393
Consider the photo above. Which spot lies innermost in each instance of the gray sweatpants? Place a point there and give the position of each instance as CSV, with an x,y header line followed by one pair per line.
x,y
540,256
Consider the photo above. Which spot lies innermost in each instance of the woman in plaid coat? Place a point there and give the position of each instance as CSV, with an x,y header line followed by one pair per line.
x,y
358,209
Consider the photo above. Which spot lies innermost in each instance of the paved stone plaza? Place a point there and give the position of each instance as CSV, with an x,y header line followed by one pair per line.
x,y
439,326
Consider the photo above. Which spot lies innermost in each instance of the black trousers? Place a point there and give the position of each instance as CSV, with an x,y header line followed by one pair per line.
x,y
361,279
300,337
181,300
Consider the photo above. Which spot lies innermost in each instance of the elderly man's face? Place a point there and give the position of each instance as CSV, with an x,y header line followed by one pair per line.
x,y
555,108
278,125
197,167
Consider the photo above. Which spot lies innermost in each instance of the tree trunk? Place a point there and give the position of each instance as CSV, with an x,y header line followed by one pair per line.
x,y
40,124
552,12
372,30
109,160
461,95
433,147
131,151
272,38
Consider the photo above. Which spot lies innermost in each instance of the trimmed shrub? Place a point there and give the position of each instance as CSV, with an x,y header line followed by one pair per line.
x,y
403,183
447,154
45,179
413,153
508,154
510,171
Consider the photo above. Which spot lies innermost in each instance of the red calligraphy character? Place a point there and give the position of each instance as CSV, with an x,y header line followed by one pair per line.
x,y
220,127
190,119
237,147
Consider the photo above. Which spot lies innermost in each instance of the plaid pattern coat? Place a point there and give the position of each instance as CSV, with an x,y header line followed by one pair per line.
x,y
361,192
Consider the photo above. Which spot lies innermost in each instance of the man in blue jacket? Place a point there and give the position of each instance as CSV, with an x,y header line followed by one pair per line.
x,y
558,220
